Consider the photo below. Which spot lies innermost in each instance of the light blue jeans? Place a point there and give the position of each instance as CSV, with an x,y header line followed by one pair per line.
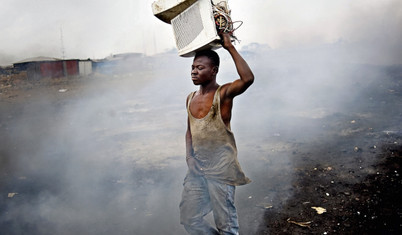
x,y
201,196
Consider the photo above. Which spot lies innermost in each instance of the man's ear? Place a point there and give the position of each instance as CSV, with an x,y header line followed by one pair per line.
x,y
216,69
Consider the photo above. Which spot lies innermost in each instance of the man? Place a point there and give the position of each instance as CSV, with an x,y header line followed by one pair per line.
x,y
211,152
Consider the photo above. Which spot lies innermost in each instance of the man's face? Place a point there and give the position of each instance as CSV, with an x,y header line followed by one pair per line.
x,y
202,70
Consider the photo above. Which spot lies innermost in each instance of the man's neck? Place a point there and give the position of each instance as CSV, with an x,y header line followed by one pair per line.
x,y
204,89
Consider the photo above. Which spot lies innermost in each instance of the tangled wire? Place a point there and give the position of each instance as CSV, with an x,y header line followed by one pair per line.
x,y
223,21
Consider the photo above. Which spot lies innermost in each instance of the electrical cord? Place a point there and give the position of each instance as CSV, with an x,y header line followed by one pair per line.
x,y
223,21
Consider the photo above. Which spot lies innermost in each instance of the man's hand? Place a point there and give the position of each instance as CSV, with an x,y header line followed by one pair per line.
x,y
193,166
226,40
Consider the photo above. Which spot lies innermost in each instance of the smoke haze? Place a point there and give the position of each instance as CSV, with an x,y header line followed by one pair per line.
x,y
108,155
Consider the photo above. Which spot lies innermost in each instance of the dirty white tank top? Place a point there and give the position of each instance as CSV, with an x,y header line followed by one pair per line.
x,y
214,145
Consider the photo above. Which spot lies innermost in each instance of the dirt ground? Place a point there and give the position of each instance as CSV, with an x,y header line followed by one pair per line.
x,y
350,168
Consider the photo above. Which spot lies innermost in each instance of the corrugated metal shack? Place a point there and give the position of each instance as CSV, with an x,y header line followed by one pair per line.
x,y
46,67
85,67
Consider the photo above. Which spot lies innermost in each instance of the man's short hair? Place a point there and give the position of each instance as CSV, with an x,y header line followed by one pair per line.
x,y
212,55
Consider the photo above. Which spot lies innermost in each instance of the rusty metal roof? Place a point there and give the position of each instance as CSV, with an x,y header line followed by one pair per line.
x,y
37,59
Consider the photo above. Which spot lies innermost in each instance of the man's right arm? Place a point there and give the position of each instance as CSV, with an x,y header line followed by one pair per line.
x,y
189,143
191,162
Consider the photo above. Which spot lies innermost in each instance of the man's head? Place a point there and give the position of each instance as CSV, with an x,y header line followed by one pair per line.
x,y
205,67
210,54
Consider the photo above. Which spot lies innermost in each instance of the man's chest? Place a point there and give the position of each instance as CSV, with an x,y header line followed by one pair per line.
x,y
200,105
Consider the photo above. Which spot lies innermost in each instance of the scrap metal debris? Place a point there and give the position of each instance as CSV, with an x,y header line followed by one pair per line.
x,y
11,195
302,224
319,210
264,205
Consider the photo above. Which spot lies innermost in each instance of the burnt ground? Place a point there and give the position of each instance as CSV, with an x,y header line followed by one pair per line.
x,y
103,171
351,168
359,195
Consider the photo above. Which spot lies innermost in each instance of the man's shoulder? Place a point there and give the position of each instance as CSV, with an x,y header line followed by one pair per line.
x,y
191,94
223,89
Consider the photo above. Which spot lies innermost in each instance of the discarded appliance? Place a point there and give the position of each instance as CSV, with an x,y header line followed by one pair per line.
x,y
196,23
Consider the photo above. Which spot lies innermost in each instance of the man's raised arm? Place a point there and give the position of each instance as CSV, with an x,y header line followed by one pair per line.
x,y
246,75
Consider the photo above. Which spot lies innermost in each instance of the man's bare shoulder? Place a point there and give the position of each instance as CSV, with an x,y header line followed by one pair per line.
x,y
224,90
188,97
232,89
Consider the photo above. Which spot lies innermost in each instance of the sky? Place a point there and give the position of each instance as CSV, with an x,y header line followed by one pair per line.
x,y
98,28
